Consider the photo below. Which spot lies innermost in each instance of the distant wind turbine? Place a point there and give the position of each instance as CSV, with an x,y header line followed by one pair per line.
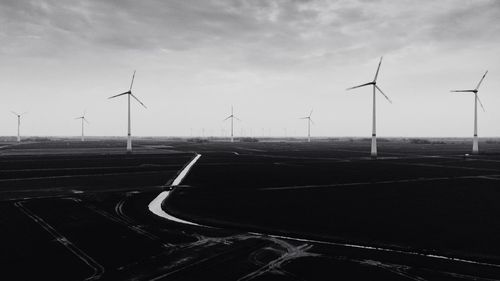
x,y
129,94
309,121
475,143
232,117
18,124
84,120
374,123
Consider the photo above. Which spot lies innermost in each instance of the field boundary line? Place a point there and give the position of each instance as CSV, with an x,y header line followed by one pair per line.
x,y
320,186
90,168
98,269
81,176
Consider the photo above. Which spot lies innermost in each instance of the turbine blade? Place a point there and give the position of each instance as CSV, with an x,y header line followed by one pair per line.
x,y
311,121
119,95
359,86
132,83
462,91
378,69
481,81
78,118
15,113
85,119
236,118
137,100
23,113
310,113
386,97
228,117
480,103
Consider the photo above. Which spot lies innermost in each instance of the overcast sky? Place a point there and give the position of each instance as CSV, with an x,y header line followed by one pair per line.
x,y
272,60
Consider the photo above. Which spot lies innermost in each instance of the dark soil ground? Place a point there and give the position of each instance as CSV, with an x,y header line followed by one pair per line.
x,y
323,211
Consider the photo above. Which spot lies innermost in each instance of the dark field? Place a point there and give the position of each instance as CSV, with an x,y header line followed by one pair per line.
x,y
277,211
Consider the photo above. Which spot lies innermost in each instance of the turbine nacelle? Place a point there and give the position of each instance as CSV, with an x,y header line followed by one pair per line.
x,y
465,91
231,116
129,92
18,115
83,119
475,91
373,83
308,117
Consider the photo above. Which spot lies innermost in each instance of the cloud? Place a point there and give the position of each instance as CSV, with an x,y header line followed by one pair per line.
x,y
266,34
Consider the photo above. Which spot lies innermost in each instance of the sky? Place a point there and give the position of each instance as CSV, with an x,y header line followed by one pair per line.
x,y
272,60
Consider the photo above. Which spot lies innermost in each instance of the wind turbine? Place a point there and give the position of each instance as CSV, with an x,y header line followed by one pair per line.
x,y
18,124
232,117
475,143
374,123
129,94
83,120
309,121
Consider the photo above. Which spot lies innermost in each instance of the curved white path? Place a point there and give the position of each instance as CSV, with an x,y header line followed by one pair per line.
x,y
155,205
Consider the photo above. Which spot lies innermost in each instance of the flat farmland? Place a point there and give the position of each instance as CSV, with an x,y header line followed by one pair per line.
x,y
426,198
251,211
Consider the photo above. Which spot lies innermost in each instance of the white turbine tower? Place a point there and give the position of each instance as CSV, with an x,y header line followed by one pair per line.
x,y
475,143
18,124
374,123
309,121
83,122
129,94
232,117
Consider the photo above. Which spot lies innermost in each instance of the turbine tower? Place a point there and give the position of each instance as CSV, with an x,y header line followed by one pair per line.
x,y
18,124
129,94
232,117
374,123
309,121
475,142
83,121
